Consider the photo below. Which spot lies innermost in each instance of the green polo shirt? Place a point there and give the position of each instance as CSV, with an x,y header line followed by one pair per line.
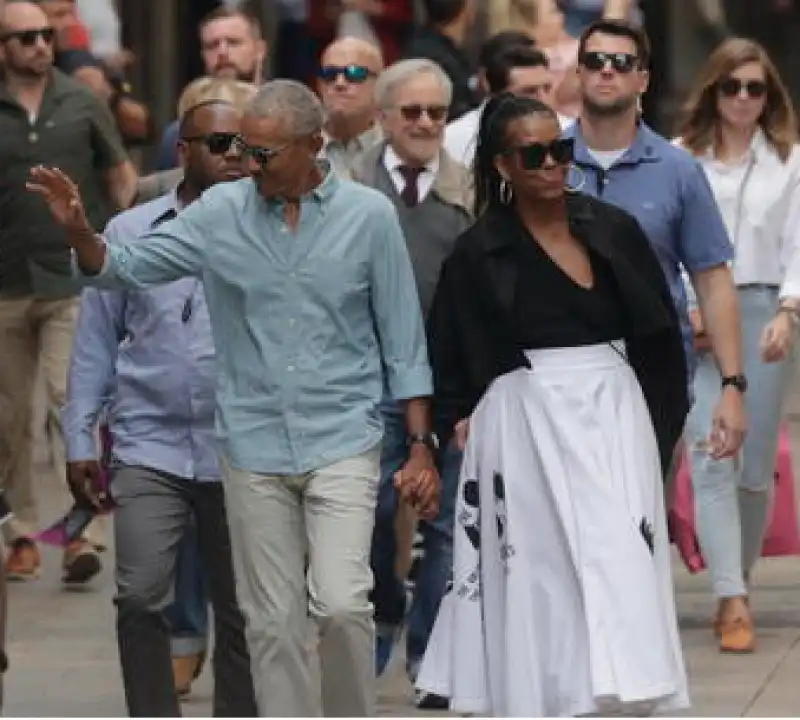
x,y
73,131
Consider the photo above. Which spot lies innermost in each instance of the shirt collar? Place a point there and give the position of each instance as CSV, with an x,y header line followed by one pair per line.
x,y
393,161
643,149
169,206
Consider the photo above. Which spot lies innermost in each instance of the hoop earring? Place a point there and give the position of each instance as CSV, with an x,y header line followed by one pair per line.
x,y
506,192
581,182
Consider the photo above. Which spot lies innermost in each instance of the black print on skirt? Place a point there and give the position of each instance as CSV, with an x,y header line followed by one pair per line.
x,y
647,533
470,521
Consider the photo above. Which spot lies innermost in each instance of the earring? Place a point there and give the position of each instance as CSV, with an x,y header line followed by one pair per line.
x,y
574,188
506,192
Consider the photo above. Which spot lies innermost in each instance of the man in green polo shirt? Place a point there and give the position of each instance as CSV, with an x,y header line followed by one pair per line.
x,y
44,117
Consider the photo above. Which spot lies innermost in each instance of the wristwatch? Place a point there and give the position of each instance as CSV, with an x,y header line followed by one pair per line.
x,y
735,381
429,440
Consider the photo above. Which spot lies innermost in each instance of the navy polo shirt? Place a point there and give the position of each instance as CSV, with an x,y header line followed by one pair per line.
x,y
666,190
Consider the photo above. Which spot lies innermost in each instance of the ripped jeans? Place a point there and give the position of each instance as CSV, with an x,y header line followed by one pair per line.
x,y
732,496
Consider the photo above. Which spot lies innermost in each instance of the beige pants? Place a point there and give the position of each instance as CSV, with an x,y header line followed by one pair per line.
x,y
35,337
276,522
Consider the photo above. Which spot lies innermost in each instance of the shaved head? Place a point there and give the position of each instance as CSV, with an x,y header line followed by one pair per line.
x,y
353,51
20,15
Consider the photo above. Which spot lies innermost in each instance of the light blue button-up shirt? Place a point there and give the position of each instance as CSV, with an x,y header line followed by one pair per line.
x,y
666,190
305,321
147,357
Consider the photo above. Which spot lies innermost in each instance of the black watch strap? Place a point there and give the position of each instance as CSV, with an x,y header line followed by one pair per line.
x,y
735,381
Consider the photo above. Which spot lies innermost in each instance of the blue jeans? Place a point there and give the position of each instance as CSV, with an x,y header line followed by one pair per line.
x,y
732,496
188,614
436,566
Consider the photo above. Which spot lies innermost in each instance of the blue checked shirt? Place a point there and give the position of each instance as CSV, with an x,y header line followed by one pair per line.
x,y
305,322
147,358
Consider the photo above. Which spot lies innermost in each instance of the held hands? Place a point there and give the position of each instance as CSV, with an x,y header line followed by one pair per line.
x,y
418,482
61,195
84,479
729,425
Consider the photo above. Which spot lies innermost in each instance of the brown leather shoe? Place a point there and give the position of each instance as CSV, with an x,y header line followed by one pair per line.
x,y
736,631
81,563
185,670
23,561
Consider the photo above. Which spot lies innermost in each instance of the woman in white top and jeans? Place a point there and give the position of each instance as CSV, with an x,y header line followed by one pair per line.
x,y
740,125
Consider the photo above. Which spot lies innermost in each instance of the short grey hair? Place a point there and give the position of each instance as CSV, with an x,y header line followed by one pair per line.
x,y
397,75
291,101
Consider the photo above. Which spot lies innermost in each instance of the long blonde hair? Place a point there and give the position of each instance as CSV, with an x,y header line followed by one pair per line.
x,y
700,127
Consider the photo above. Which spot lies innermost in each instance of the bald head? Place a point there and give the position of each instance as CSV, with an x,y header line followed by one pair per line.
x,y
353,51
18,15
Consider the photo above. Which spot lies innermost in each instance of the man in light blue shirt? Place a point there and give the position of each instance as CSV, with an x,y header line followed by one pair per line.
x,y
620,160
313,304
147,359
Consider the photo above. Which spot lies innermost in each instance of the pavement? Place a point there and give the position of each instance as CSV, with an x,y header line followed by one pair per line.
x,y
64,660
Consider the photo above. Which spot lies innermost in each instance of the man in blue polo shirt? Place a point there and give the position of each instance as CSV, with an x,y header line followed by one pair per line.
x,y
622,161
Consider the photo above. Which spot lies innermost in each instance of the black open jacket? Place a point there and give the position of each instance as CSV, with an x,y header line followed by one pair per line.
x,y
470,331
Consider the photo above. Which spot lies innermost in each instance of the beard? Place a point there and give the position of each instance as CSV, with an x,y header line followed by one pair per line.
x,y
610,109
30,70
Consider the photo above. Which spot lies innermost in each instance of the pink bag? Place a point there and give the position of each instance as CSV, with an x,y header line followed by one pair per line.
x,y
782,536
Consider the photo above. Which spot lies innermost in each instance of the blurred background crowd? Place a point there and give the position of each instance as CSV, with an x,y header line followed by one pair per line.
x,y
150,50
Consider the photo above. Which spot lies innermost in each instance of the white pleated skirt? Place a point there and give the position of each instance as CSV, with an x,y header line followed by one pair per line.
x,y
562,601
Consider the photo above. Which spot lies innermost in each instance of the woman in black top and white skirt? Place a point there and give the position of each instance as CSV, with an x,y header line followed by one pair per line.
x,y
557,354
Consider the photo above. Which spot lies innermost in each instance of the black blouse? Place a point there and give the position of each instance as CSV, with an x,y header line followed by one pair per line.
x,y
551,310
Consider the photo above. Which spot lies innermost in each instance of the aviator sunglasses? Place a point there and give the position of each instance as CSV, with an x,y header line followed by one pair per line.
x,y
261,155
412,113
731,87
621,62
352,73
28,38
533,155
218,143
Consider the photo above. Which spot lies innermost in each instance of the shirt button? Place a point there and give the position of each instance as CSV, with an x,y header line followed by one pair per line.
x,y
291,322
33,137
290,368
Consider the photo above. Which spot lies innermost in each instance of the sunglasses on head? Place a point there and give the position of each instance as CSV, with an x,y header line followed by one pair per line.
x,y
731,87
620,62
351,73
28,38
218,143
412,113
259,154
534,155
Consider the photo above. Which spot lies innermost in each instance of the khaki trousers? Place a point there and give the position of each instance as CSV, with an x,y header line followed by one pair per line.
x,y
35,339
276,523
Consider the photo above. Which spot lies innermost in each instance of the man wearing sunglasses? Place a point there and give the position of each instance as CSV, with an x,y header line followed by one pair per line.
x,y
621,160
520,70
44,116
432,195
304,274
149,358
346,85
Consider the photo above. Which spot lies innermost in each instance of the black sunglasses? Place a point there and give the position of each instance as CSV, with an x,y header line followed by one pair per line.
x,y
261,155
28,38
412,113
621,62
351,73
731,87
534,155
218,143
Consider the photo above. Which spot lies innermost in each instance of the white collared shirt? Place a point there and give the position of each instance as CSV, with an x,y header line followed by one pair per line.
x,y
759,199
461,136
392,163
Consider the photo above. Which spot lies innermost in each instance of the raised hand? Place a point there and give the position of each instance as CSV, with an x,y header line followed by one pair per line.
x,y
61,195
